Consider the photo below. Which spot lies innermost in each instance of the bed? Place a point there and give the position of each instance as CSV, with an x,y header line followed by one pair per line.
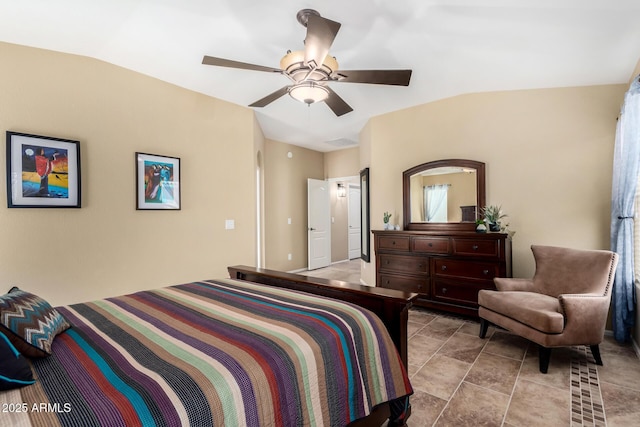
x,y
232,352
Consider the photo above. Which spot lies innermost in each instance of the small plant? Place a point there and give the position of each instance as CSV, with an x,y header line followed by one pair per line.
x,y
386,217
493,214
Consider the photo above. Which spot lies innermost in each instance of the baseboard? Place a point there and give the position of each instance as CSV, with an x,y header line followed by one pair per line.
x,y
634,344
362,282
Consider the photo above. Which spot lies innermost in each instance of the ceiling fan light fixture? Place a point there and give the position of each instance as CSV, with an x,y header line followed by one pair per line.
x,y
293,64
309,92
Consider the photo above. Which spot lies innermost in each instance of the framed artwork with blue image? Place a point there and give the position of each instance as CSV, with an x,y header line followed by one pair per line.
x,y
42,171
157,182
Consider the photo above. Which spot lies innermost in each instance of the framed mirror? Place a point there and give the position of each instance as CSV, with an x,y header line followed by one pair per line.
x,y
365,225
443,195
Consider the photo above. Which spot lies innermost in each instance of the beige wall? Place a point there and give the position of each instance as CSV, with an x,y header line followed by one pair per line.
x,y
107,247
341,166
342,163
636,72
548,156
259,144
286,197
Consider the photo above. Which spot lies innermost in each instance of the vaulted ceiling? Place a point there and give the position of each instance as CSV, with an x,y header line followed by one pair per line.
x,y
452,46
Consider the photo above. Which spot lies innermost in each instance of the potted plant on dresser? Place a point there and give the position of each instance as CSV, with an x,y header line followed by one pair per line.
x,y
492,216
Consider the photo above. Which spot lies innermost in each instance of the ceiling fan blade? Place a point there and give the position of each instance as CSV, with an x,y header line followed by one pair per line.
x,y
220,62
337,104
376,77
320,35
271,97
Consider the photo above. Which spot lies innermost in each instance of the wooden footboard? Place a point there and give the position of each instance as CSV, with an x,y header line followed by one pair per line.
x,y
390,305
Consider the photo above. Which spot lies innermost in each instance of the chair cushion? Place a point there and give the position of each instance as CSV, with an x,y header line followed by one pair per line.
x,y
538,311
30,322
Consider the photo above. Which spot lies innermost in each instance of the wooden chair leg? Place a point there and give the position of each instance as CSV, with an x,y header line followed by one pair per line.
x,y
484,326
544,354
595,350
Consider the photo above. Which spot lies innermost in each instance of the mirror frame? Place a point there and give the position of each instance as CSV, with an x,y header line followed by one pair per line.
x,y
442,226
365,216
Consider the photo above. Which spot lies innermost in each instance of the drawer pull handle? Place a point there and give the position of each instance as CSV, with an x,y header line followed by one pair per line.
x,y
444,268
485,272
393,243
430,245
388,262
419,265
387,282
444,290
475,247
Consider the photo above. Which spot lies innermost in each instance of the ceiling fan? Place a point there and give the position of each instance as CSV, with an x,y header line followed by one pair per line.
x,y
311,69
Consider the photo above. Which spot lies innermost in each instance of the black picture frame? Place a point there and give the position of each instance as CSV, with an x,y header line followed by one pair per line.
x,y
365,223
42,171
157,182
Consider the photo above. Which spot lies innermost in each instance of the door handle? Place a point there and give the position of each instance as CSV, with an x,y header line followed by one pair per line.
x,y
312,229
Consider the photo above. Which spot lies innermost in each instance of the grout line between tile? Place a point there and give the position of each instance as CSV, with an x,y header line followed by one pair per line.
x,y
515,383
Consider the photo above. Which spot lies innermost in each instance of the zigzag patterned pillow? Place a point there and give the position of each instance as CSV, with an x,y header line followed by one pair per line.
x,y
30,322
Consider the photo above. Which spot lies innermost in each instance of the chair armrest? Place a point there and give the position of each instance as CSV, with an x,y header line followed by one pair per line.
x,y
509,284
585,317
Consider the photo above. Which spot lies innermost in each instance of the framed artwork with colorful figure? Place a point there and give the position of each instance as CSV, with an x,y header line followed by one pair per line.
x,y
42,171
157,182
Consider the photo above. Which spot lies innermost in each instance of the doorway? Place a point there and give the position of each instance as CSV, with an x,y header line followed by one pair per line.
x,y
318,224
354,238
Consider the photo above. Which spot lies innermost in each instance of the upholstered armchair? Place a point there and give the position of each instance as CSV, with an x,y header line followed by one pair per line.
x,y
566,303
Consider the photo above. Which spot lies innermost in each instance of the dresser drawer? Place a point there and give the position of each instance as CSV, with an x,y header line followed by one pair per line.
x,y
397,243
475,247
457,293
432,245
404,264
466,269
407,284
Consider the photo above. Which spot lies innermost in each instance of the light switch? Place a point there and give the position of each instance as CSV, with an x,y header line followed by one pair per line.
x,y
289,221
229,224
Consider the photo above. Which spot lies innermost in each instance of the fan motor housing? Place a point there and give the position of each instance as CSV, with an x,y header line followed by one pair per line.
x,y
293,64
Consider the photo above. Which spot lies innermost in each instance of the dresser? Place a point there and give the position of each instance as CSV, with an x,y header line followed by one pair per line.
x,y
446,269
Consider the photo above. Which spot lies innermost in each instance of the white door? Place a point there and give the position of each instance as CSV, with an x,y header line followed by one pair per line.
x,y
354,221
318,223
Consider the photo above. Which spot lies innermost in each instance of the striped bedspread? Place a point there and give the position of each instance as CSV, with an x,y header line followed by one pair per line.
x,y
214,353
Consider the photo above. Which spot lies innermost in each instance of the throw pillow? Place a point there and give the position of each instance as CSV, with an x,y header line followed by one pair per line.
x,y
15,371
30,322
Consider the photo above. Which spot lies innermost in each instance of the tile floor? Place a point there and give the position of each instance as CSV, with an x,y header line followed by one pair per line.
x,y
462,380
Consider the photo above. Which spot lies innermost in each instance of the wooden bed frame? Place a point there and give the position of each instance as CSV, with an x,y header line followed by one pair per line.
x,y
390,305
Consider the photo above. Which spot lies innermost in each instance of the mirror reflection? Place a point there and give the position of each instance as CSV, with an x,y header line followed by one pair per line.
x,y
444,194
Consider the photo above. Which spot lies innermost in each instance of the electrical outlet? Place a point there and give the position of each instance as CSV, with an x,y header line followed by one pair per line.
x,y
289,221
289,257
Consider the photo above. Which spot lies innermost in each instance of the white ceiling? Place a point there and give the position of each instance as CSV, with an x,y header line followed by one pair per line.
x,y
453,47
